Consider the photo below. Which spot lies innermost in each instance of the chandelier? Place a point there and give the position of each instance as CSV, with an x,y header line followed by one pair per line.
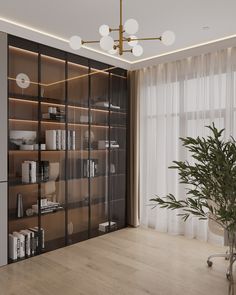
x,y
126,35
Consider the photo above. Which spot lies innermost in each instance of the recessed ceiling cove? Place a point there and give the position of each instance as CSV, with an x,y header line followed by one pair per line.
x,y
186,18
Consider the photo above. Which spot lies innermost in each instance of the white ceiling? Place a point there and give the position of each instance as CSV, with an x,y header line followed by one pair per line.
x,y
83,17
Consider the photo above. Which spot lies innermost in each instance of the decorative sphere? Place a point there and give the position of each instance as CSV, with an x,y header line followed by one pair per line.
x,y
107,43
137,50
104,30
75,42
168,38
131,26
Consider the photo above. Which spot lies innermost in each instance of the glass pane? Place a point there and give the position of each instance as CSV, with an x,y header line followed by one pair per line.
x,y
99,155
53,78
78,194
23,136
23,62
53,140
118,153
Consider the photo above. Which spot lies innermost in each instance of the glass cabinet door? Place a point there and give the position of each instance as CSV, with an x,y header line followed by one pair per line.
x,y
99,148
53,141
118,156
78,156
23,135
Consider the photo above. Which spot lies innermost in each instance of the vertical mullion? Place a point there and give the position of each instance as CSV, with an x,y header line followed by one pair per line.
x,y
89,149
66,151
39,152
126,96
109,151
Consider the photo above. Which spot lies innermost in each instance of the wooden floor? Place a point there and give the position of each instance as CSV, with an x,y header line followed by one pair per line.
x,y
126,262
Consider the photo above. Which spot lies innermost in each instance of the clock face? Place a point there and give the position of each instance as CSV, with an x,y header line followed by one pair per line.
x,y
22,80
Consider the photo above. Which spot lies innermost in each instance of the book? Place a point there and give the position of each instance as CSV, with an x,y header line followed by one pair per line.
x,y
51,139
20,244
63,139
13,247
29,172
73,140
56,117
27,235
104,227
58,140
42,233
32,242
104,144
36,239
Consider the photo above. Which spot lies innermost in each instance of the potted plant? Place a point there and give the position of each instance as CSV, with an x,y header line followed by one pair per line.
x,y
210,185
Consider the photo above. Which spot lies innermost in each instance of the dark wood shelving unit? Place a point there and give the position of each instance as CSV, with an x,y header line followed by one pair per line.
x,y
64,81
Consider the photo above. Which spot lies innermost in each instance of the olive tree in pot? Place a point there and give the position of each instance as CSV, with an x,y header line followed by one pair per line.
x,y
210,185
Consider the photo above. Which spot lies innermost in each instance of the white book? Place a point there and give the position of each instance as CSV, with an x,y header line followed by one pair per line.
x,y
13,240
21,243
25,172
104,227
32,242
29,172
69,139
50,136
27,235
33,171
58,140
73,140
63,139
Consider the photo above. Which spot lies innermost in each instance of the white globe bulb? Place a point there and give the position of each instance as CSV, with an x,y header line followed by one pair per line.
x,y
107,43
104,30
131,26
168,38
137,50
75,42
133,42
113,51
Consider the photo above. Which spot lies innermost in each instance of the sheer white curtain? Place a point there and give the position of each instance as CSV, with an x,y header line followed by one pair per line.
x,y
178,99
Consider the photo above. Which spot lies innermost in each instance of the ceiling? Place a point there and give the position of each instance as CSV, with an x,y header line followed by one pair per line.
x,y
192,21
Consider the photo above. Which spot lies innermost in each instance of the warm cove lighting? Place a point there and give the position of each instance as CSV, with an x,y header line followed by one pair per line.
x,y
43,33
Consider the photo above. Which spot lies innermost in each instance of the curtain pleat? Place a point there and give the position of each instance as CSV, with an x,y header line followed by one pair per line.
x,y
179,99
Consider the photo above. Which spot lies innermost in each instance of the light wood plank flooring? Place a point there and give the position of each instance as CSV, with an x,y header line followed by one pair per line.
x,y
126,262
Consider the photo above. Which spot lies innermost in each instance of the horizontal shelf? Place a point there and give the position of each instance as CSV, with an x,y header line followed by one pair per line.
x,y
12,214
69,206
63,151
70,124
18,182
61,103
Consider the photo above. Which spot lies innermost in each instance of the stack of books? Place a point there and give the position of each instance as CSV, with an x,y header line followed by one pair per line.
x,y
90,167
56,139
25,243
54,114
104,144
105,104
48,207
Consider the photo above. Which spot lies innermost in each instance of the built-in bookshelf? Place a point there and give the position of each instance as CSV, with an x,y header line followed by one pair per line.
x,y
67,157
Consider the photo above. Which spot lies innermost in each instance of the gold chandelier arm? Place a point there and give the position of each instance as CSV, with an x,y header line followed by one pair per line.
x,y
127,50
89,42
142,39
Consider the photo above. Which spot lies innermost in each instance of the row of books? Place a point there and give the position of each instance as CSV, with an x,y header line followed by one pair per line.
x,y
26,243
29,171
56,139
